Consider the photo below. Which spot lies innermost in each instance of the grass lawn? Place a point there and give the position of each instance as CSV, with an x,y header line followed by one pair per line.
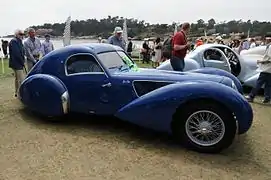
x,y
140,64
7,71
108,149
89,148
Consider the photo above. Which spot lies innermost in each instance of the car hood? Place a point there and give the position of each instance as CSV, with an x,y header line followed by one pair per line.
x,y
161,75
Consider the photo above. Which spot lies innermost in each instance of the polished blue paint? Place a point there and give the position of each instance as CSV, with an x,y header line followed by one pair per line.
x,y
157,107
113,93
42,93
220,72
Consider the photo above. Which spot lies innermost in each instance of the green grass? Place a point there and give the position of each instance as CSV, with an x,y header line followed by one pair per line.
x,y
141,65
7,70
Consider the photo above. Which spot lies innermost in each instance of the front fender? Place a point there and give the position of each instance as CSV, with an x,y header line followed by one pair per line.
x,y
165,66
252,81
220,72
155,109
189,65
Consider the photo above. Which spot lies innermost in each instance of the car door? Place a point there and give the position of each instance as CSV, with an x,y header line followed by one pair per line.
x,y
213,57
88,85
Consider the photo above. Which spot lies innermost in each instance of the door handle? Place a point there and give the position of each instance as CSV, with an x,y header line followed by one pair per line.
x,y
107,85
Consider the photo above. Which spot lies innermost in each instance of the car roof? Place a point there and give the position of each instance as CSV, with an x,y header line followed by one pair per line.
x,y
52,61
205,46
88,48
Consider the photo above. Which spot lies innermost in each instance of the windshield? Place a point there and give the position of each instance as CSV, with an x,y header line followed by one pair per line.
x,y
117,61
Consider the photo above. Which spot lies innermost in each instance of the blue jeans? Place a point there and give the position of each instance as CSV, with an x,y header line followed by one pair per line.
x,y
264,79
177,63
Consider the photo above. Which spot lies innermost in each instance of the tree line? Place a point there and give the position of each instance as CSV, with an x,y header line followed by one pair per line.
x,y
140,28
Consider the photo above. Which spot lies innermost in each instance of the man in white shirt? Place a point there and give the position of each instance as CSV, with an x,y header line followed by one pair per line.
x,y
32,46
47,46
252,43
265,75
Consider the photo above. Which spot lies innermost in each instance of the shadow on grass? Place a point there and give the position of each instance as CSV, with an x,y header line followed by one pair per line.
x,y
238,157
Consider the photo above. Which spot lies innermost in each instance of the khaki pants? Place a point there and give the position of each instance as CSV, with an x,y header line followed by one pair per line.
x,y
19,77
29,64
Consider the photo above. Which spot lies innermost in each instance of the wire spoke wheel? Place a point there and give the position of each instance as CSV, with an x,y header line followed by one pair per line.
x,y
205,128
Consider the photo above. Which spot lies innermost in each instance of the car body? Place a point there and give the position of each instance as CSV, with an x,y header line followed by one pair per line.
x,y
101,79
259,50
244,67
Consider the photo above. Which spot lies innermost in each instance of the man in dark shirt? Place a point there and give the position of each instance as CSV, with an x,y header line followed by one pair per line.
x,y
146,51
16,59
5,48
130,47
180,47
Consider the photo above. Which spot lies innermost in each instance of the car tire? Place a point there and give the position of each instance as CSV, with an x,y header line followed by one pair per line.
x,y
204,136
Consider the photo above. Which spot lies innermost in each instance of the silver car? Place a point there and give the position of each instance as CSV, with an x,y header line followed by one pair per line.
x,y
244,67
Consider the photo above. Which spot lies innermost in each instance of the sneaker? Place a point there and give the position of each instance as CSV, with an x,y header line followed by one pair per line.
x,y
249,99
266,101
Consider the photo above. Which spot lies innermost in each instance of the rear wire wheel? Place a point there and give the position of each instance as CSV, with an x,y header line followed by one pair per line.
x,y
204,126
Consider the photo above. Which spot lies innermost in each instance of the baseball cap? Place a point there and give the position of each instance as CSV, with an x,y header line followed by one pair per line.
x,y
118,30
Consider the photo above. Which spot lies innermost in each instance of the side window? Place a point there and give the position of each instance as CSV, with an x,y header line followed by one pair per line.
x,y
82,64
212,54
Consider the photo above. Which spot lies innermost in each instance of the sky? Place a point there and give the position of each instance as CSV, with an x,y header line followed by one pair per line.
x,y
20,15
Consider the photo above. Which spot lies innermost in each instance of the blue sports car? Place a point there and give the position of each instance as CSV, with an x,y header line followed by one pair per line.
x,y
201,110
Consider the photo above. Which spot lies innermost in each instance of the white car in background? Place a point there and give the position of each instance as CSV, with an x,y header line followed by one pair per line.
x,y
219,56
254,53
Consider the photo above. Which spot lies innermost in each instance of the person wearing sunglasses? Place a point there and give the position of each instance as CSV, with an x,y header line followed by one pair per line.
x,y
16,58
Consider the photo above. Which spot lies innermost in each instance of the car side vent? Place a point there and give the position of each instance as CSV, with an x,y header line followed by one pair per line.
x,y
144,87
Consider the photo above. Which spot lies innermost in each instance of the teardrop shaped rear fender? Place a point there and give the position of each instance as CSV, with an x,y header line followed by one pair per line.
x,y
44,94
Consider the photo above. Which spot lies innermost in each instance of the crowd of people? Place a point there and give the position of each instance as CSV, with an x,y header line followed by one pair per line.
x,y
32,48
176,47
173,49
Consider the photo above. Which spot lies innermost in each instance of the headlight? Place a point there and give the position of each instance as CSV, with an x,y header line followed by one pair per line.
x,y
234,86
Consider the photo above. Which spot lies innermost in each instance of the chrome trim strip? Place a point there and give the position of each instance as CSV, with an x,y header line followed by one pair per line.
x,y
85,73
65,102
233,85
133,85
90,73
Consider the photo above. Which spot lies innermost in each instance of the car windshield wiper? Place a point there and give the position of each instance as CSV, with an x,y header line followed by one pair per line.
x,y
114,67
120,68
123,68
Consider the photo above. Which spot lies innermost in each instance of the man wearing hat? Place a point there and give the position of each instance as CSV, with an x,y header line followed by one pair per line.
x,y
117,39
47,46
16,58
265,75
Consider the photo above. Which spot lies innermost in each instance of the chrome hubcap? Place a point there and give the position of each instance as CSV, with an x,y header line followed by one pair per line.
x,y
205,128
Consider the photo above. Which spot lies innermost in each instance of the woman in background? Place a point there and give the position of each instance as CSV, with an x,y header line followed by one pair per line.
x,y
145,51
157,52
153,54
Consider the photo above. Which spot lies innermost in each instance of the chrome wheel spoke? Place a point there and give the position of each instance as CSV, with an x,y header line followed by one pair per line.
x,y
205,128
193,124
